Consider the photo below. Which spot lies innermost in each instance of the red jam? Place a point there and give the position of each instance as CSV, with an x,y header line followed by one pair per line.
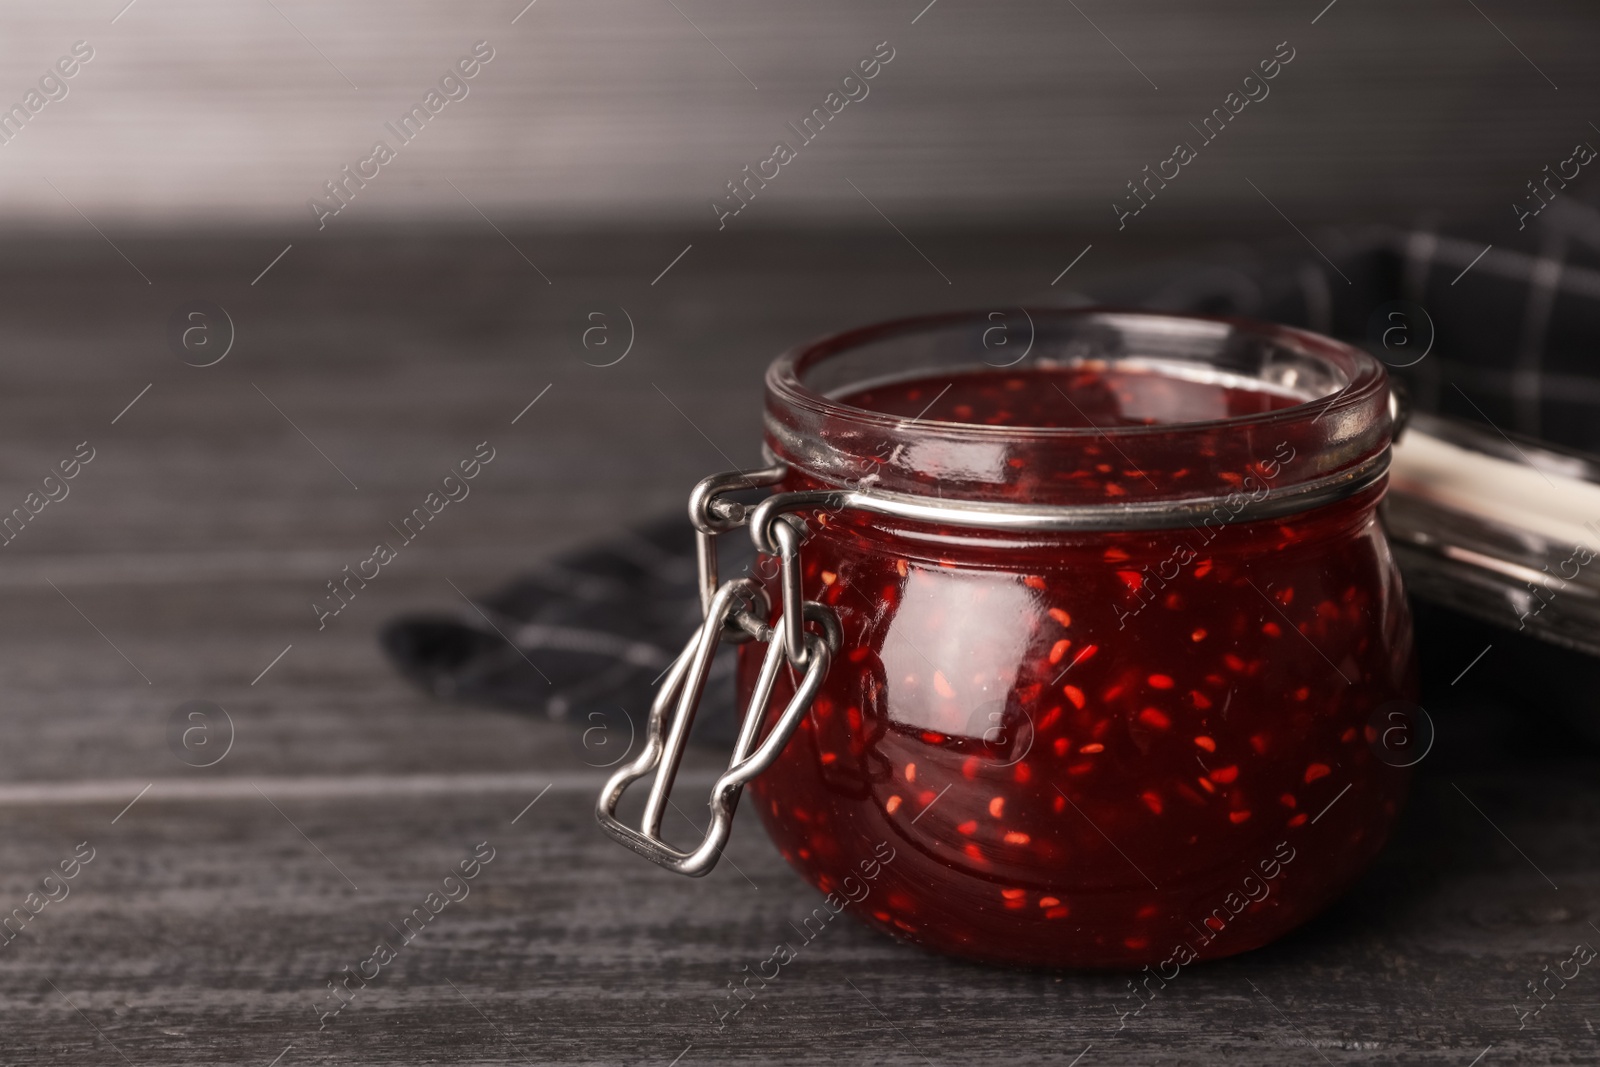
x,y
1044,397
1093,749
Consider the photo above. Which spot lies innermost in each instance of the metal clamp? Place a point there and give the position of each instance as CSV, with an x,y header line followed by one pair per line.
x,y
735,610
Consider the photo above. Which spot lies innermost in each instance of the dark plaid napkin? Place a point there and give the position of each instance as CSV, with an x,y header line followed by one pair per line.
x,y
1510,322
1510,329
584,636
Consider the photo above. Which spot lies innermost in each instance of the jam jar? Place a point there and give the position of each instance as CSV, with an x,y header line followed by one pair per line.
x,y
1076,651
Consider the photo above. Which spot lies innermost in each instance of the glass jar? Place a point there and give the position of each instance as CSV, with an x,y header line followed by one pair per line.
x,y
1098,642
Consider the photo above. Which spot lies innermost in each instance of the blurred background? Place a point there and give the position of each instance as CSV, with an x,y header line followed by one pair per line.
x,y
193,115
543,268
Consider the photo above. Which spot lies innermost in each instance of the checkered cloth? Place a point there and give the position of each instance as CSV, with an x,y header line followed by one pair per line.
x,y
1509,332
1514,326
583,637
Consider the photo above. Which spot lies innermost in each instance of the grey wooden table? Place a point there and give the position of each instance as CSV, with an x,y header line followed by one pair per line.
x,y
221,900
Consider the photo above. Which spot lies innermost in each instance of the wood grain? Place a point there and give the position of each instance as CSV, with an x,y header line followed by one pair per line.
x,y
207,925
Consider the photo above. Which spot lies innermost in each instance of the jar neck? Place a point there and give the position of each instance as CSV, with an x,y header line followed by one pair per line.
x,y
1331,417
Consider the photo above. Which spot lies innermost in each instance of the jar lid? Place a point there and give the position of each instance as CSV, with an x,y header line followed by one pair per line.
x,y
1501,528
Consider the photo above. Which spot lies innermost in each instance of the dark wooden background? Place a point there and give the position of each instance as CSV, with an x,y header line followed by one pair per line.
x,y
208,923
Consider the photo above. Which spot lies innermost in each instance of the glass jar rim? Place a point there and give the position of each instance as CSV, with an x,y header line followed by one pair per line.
x,y
1342,418
1363,373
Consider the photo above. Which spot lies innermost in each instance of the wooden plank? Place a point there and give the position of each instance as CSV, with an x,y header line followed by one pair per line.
x,y
205,932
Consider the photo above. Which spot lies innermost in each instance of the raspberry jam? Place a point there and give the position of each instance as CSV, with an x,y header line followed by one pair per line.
x,y
1141,735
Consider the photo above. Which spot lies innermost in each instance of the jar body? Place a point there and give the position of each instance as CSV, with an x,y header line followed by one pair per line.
x,y
1095,748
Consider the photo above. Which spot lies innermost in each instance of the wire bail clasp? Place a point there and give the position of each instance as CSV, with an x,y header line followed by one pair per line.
x,y
735,610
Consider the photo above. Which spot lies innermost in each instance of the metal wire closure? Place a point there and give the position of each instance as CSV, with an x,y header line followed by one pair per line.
x,y
736,610
1016,518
